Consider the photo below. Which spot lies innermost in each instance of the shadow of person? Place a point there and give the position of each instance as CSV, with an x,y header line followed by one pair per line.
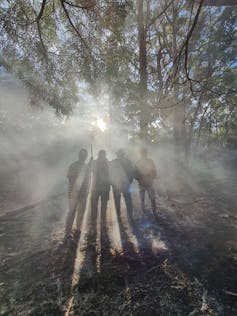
x,y
125,232
133,235
97,248
101,270
89,266
65,257
68,250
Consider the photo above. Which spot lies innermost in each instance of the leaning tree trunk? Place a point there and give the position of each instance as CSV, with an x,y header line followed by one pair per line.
x,y
143,93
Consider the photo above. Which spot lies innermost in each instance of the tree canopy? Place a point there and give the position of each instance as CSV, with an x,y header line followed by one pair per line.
x,y
169,66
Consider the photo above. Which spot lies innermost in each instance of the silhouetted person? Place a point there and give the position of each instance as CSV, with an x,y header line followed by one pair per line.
x,y
145,173
100,190
78,182
121,174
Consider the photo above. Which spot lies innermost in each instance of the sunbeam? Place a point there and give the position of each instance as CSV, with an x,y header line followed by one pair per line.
x,y
113,229
131,235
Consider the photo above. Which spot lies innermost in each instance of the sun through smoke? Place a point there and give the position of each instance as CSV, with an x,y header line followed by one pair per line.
x,y
100,123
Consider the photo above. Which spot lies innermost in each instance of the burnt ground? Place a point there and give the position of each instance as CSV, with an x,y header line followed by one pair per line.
x,y
183,263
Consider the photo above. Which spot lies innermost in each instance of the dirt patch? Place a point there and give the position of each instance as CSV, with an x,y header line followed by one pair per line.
x,y
185,265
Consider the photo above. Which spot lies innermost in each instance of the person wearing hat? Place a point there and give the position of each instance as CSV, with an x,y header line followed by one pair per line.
x,y
145,174
121,175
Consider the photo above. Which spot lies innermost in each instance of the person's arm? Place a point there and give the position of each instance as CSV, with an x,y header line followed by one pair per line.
x,y
69,173
136,172
131,172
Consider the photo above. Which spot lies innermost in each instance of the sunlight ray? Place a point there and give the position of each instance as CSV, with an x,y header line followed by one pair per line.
x,y
131,236
113,229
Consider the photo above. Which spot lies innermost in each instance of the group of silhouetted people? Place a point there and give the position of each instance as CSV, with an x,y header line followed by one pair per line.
x,y
100,175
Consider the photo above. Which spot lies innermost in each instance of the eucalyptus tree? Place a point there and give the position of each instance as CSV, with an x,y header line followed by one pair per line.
x,y
159,64
190,66
51,45
212,73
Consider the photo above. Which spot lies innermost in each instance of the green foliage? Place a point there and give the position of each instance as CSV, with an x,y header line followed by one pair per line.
x,y
97,42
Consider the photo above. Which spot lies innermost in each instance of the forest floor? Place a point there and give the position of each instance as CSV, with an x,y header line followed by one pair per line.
x,y
183,263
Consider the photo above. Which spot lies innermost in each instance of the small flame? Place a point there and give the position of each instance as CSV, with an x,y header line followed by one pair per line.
x,y
101,124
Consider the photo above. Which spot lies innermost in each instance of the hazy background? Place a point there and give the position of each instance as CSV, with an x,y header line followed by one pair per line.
x,y
37,147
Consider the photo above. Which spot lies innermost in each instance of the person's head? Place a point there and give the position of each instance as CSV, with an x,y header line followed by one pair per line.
x,y
82,155
102,155
143,152
120,153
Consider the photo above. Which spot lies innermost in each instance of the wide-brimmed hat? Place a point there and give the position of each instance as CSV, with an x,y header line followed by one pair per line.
x,y
120,152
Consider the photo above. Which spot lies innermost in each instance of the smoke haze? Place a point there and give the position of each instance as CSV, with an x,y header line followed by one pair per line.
x,y
37,147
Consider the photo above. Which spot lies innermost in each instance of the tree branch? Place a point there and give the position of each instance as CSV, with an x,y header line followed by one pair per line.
x,y
217,3
160,14
190,34
39,16
74,27
86,7
186,44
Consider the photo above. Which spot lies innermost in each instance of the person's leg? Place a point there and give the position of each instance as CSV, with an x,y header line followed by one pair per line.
x,y
142,196
94,210
117,200
104,202
152,196
72,201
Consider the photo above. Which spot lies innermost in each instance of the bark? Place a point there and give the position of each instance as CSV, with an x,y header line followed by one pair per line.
x,y
200,125
179,132
144,113
189,136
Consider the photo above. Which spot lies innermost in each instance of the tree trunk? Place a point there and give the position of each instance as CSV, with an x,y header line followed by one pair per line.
x,y
179,131
189,135
144,113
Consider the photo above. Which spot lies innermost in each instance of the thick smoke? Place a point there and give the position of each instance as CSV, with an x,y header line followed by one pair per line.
x,y
37,147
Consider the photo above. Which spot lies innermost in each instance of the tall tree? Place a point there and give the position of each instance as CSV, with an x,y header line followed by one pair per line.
x,y
160,65
142,37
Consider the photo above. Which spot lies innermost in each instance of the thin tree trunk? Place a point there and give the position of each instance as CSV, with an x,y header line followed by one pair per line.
x,y
144,113
189,136
200,126
179,110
